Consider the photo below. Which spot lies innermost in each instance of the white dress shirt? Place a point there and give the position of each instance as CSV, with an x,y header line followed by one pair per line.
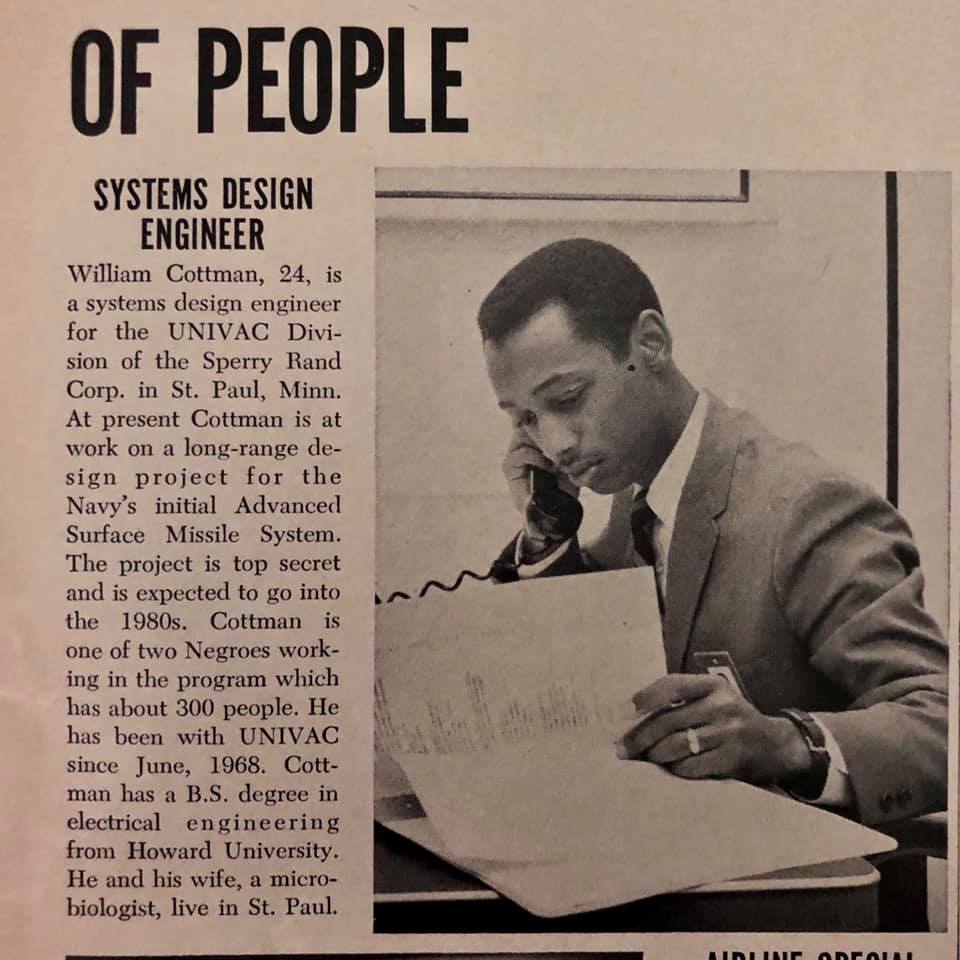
x,y
665,491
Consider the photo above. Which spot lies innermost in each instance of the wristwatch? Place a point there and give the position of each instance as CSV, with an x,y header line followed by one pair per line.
x,y
809,786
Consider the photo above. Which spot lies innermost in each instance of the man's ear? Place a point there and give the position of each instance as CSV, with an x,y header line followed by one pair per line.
x,y
650,341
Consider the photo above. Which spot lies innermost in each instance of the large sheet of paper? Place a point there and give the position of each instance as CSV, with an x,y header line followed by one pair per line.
x,y
499,709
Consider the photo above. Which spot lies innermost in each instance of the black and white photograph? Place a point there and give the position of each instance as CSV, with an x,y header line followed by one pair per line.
x,y
662,468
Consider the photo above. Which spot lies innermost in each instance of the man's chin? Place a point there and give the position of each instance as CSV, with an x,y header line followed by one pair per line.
x,y
606,485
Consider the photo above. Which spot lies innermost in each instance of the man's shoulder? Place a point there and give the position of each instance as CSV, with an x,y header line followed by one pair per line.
x,y
768,466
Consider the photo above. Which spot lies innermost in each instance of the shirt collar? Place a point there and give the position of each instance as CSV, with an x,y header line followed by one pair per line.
x,y
667,486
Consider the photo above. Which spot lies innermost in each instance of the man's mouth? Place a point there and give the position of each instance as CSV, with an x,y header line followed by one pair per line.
x,y
580,472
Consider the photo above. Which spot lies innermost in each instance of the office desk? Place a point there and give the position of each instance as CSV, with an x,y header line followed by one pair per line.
x,y
416,892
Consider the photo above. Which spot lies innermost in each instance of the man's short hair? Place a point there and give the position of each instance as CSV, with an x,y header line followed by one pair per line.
x,y
601,287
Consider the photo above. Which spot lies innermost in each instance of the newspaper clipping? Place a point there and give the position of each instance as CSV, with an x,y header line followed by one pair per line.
x,y
477,481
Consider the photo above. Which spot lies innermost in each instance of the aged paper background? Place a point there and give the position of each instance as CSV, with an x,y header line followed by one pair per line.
x,y
818,86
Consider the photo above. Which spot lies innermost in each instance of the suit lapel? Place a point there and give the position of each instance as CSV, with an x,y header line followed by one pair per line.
x,y
695,531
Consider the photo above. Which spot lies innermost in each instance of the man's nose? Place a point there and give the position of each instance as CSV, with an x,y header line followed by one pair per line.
x,y
558,440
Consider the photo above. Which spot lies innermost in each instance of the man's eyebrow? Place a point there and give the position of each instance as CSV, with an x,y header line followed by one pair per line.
x,y
540,387
551,380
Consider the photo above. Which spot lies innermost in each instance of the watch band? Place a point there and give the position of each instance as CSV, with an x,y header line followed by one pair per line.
x,y
809,786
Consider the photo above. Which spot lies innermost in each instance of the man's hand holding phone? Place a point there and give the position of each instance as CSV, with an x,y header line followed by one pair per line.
x,y
545,497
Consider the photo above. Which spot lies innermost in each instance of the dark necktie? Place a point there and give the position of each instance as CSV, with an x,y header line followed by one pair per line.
x,y
642,520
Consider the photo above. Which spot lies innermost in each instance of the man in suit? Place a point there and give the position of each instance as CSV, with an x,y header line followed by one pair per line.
x,y
808,580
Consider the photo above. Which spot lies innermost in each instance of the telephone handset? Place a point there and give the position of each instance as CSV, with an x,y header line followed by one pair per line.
x,y
551,511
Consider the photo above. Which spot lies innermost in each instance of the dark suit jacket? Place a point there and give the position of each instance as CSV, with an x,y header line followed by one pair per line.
x,y
812,582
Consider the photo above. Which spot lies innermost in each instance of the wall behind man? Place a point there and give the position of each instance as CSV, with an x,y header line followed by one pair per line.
x,y
778,305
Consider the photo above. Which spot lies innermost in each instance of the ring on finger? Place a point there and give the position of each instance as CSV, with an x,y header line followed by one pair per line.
x,y
693,741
